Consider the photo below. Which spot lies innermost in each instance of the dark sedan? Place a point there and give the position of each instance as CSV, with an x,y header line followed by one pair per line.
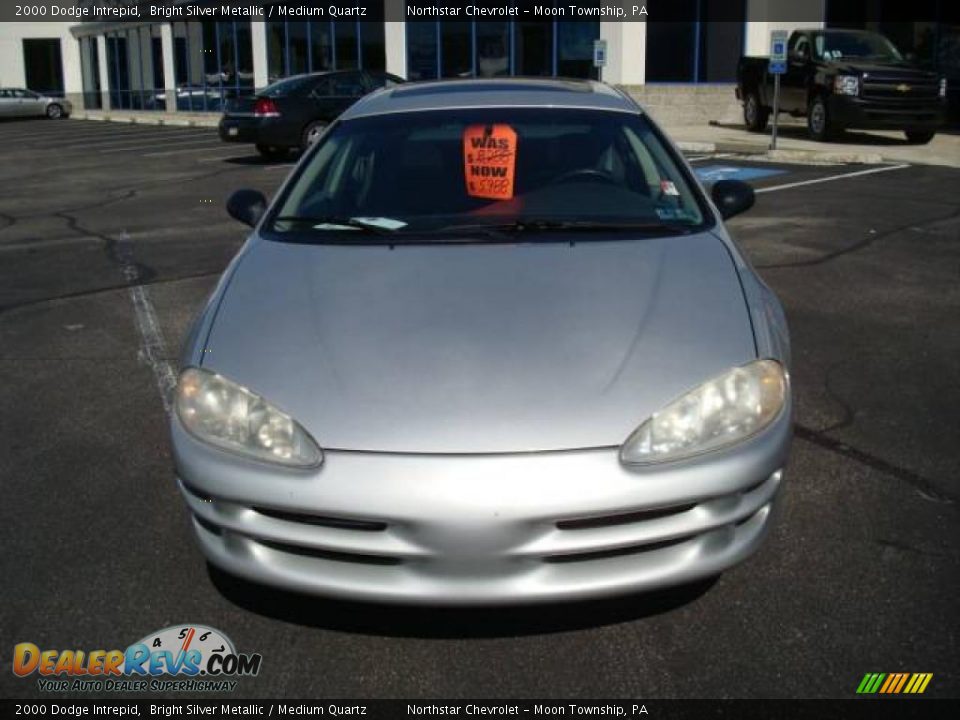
x,y
292,113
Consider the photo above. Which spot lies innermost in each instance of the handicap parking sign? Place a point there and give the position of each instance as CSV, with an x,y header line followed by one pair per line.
x,y
713,173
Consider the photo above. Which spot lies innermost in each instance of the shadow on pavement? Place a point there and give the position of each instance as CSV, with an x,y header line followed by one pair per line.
x,y
445,622
255,159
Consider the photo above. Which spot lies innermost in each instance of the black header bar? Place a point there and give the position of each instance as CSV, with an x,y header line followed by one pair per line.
x,y
792,11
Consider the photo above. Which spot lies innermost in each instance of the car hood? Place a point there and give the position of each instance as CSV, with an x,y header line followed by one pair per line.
x,y
479,348
891,70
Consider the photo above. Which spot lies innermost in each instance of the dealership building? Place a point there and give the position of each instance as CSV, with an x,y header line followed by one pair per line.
x,y
681,62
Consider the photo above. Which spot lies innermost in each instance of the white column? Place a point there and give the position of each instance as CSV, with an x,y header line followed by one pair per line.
x,y
72,69
261,58
169,68
395,39
104,71
626,52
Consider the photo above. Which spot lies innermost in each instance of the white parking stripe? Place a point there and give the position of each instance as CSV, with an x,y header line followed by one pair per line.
x,y
153,349
150,138
187,150
127,132
708,157
207,142
841,176
73,135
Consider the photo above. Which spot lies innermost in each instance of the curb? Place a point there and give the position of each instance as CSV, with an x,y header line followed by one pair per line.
x,y
762,152
191,121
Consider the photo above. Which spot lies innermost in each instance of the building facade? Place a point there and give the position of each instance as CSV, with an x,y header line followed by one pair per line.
x,y
684,60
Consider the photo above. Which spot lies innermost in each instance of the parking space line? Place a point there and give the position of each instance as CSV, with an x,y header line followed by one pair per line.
x,y
153,349
708,157
841,176
149,138
66,134
211,142
185,150
122,133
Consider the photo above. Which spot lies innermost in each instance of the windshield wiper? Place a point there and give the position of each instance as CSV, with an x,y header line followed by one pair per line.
x,y
350,222
524,225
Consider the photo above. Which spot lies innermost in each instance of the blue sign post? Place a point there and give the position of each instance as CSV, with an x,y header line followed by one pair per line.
x,y
777,67
599,53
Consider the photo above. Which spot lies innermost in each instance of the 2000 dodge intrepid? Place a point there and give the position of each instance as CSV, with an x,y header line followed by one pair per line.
x,y
490,343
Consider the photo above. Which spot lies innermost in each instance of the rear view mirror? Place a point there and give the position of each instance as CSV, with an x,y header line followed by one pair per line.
x,y
247,206
732,197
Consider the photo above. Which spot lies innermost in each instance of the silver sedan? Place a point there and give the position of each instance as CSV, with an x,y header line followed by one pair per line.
x,y
489,344
17,102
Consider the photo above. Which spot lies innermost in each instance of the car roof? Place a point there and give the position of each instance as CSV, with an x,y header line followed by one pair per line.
x,y
498,92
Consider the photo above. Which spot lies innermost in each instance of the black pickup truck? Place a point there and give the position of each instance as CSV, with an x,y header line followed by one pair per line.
x,y
841,79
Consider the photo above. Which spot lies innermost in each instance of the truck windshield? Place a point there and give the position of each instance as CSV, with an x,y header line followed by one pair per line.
x,y
844,45
450,172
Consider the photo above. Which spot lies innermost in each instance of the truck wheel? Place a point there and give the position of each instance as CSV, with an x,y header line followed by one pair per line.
x,y
755,115
818,120
919,137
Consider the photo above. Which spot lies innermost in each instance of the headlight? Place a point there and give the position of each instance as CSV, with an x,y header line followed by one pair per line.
x,y
943,87
725,410
231,417
846,85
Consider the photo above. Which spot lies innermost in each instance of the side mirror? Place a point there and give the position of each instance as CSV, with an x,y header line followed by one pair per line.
x,y
247,206
732,197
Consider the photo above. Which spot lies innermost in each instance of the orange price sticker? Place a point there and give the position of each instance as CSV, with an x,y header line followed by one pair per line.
x,y
489,160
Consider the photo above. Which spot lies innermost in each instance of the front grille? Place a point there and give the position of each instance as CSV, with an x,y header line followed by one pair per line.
x,y
623,519
901,92
323,521
355,558
615,552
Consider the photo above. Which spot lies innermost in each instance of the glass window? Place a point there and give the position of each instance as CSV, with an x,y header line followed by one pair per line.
x,y
455,49
839,44
573,167
90,71
575,49
533,48
244,57
672,41
297,50
321,46
421,50
290,86
493,49
347,48
276,50
372,46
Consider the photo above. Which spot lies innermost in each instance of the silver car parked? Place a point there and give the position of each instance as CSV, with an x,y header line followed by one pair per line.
x,y
489,344
17,102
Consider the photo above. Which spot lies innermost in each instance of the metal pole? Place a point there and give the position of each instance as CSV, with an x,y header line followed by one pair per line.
x,y
776,110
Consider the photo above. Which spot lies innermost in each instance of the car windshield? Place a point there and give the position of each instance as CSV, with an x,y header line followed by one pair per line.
x,y
449,172
839,45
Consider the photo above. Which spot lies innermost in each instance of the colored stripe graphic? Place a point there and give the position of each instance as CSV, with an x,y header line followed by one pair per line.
x,y
894,683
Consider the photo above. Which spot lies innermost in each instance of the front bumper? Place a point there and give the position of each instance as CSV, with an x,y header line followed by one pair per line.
x,y
482,529
859,113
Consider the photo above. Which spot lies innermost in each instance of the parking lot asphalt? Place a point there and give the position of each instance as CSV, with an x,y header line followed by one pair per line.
x,y
859,575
